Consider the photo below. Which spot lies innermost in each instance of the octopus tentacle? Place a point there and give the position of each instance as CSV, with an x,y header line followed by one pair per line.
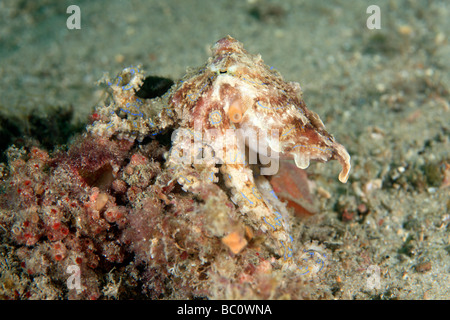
x,y
261,213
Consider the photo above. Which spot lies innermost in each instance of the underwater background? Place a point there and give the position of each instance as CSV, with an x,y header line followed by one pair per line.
x,y
383,93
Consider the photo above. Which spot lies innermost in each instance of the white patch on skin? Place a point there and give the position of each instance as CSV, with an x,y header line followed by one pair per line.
x,y
301,160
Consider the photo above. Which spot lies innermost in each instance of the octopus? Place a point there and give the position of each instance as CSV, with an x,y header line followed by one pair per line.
x,y
235,117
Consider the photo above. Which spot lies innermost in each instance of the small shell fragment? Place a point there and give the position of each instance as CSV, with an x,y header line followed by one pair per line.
x,y
235,242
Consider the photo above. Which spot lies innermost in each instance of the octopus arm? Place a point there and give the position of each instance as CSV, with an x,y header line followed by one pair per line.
x,y
255,205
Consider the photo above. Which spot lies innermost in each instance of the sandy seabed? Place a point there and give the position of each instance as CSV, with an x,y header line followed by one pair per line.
x,y
383,93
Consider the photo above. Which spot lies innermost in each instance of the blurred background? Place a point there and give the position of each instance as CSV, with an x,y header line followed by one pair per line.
x,y
383,93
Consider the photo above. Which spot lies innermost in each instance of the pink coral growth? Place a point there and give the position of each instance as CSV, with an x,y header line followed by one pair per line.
x,y
59,215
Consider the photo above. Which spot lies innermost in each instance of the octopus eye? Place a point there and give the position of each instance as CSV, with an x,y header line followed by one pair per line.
x,y
235,112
